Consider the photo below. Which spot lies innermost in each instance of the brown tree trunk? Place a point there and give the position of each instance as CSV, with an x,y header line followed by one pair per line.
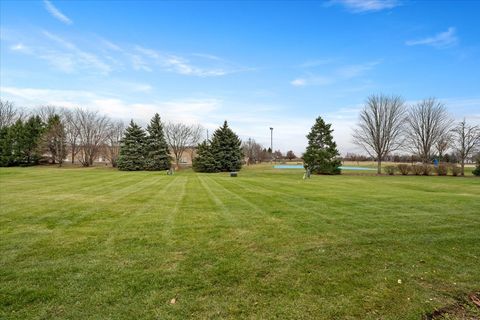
x,y
379,166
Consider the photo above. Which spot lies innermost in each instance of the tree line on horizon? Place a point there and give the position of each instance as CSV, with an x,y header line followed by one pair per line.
x,y
386,125
49,134
426,130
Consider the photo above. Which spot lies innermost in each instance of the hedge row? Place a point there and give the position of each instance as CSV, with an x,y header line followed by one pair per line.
x,y
424,169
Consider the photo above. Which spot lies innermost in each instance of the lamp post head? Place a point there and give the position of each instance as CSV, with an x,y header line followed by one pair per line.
x,y
271,128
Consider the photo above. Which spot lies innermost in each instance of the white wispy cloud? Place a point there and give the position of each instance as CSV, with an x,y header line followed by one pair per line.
x,y
104,56
64,55
110,45
361,6
56,13
355,70
188,110
20,47
313,80
138,63
200,65
298,82
339,74
440,40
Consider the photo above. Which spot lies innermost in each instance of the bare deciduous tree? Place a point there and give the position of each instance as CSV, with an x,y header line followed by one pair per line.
x,y
112,146
443,143
92,134
427,121
252,150
381,125
46,112
182,136
466,141
9,114
71,132
278,155
53,140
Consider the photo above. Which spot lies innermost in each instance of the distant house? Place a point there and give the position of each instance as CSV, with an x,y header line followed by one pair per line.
x,y
186,158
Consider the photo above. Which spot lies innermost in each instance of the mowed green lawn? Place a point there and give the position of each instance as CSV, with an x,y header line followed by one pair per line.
x,y
102,244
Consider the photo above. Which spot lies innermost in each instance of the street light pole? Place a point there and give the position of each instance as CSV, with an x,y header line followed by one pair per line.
x,y
271,140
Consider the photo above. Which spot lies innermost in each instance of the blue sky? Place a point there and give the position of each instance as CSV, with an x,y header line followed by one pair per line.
x,y
256,64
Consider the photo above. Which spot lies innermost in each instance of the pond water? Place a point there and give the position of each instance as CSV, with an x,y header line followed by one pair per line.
x,y
299,166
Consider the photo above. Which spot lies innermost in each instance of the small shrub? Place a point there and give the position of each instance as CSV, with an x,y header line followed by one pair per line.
x,y
441,169
417,169
456,170
390,170
426,169
404,169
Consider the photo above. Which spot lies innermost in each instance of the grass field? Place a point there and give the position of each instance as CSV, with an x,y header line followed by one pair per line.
x,y
102,244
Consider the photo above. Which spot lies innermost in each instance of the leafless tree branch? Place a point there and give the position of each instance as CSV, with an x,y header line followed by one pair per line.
x,y
427,121
466,141
9,114
381,126
181,136
92,134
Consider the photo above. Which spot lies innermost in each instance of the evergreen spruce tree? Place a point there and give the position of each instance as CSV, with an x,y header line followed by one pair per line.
x,y
132,149
26,139
321,155
157,153
6,145
226,149
204,160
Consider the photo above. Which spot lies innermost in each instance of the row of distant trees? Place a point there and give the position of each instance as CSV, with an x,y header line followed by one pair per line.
x,y
148,149
425,129
51,134
387,125
448,157
256,153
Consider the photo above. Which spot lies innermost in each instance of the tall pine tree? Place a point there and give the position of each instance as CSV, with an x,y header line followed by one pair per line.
x,y
157,153
132,149
222,154
6,145
321,156
204,160
226,149
25,139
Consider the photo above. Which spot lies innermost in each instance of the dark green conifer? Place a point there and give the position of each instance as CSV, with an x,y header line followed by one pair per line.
x,y
226,149
25,138
321,156
132,149
157,153
204,160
